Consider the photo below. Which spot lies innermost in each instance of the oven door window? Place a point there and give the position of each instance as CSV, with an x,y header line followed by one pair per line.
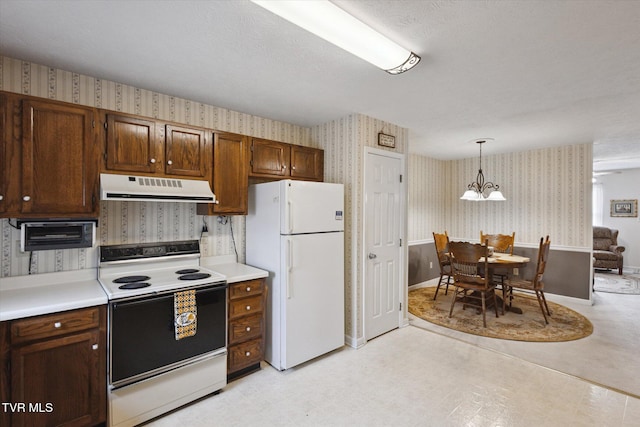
x,y
143,333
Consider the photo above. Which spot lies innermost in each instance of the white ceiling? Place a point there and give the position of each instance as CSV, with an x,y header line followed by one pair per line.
x,y
531,73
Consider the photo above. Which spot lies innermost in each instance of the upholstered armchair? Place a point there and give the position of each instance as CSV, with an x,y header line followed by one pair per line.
x,y
606,252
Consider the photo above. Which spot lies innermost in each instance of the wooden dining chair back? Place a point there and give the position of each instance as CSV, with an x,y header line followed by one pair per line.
x,y
441,242
502,243
536,284
471,287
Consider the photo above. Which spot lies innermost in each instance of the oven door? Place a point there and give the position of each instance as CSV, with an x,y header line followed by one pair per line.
x,y
142,334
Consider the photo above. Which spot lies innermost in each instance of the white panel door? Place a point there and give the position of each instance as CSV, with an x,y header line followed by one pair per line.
x,y
311,207
312,296
382,244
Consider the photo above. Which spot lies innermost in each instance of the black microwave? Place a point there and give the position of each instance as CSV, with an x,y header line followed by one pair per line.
x,y
63,234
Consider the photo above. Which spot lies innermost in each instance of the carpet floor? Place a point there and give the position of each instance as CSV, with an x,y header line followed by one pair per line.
x,y
564,323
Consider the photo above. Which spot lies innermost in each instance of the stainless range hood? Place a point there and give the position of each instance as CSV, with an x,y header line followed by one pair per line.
x,y
147,188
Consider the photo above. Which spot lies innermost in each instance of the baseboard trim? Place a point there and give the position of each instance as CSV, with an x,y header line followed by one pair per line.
x,y
354,342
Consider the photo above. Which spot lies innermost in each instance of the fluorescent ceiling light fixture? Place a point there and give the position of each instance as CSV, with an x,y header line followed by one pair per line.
x,y
328,21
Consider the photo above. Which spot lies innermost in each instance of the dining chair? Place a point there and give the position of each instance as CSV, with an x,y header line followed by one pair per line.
x,y
441,242
466,262
535,284
502,243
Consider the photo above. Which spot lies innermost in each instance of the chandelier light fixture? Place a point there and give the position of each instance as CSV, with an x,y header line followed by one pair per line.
x,y
328,21
475,190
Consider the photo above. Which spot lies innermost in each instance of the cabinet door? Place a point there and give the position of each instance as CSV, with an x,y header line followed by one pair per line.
x,y
133,144
4,169
186,152
307,163
62,378
59,160
230,179
269,158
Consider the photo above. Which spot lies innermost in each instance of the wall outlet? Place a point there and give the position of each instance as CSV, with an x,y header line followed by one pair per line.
x,y
430,264
516,271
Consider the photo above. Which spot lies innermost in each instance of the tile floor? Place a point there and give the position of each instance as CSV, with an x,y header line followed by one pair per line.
x,y
416,377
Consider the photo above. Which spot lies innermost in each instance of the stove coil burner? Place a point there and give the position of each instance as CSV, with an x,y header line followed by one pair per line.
x,y
131,279
134,285
194,276
187,271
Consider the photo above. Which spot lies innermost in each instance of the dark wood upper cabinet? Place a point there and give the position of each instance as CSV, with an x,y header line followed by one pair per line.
x,y
230,179
186,151
307,163
269,158
59,160
148,146
133,144
277,160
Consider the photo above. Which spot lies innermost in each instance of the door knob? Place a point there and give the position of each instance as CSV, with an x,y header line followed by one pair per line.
x,y
372,255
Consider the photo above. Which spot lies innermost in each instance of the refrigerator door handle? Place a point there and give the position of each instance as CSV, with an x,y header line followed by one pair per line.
x,y
290,215
289,266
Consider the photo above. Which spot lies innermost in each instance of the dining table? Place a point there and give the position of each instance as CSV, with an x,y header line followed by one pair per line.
x,y
506,262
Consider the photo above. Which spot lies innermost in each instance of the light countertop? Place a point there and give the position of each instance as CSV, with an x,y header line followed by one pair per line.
x,y
33,295
235,272
25,296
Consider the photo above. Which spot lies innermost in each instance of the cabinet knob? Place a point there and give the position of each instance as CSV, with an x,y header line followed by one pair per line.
x,y
26,198
57,325
293,168
169,162
248,307
248,328
248,353
284,167
152,160
95,346
248,288
1,197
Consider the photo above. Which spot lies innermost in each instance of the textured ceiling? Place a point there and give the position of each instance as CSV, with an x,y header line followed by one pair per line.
x,y
529,74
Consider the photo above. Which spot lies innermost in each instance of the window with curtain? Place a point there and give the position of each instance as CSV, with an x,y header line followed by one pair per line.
x,y
598,204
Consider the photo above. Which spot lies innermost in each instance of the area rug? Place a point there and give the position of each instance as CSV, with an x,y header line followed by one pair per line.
x,y
564,323
616,284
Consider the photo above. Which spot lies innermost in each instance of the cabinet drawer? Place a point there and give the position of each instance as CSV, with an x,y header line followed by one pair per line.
x,y
54,324
245,354
245,328
245,289
245,306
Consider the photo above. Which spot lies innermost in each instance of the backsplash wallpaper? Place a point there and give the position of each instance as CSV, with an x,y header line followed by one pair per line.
x,y
131,222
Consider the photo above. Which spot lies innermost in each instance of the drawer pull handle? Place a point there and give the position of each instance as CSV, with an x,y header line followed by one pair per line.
x,y
57,325
95,346
248,288
248,307
248,353
248,328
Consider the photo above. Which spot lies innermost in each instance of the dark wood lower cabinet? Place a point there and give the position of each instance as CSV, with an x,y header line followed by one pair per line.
x,y
57,369
246,327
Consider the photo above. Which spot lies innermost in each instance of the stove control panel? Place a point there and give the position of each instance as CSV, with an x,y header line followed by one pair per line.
x,y
148,250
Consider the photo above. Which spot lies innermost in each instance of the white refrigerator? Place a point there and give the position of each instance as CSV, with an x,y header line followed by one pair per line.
x,y
295,230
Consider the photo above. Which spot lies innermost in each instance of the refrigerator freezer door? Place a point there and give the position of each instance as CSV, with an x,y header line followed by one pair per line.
x,y
311,207
312,297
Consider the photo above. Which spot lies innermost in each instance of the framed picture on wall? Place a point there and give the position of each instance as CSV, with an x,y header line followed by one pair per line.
x,y
624,208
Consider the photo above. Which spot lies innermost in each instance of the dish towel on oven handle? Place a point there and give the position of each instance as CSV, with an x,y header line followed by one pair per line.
x,y
185,311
